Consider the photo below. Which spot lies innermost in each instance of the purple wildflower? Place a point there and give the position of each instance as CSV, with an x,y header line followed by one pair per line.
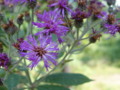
x,y
4,60
41,49
13,2
112,29
52,24
79,15
62,5
111,24
16,2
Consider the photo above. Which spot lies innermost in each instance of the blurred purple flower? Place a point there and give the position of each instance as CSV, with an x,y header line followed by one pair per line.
x,y
52,24
112,29
62,7
79,15
16,2
4,60
41,49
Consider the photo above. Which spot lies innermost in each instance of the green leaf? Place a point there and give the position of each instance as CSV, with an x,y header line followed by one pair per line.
x,y
68,79
52,87
60,54
22,68
3,88
2,72
24,79
12,81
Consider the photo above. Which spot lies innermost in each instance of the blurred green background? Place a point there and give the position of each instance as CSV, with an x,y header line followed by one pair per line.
x,y
100,62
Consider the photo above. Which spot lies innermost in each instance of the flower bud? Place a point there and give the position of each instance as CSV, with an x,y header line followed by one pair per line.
x,y
110,9
32,3
1,47
1,17
10,28
82,4
111,19
4,60
111,2
20,19
27,16
94,38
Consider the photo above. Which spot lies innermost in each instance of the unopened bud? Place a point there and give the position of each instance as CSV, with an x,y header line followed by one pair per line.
x,y
27,16
111,2
32,3
1,47
10,28
20,19
82,4
110,9
94,38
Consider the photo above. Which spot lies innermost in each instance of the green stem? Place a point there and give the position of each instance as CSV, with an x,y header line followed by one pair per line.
x,y
77,33
32,20
16,64
9,40
28,76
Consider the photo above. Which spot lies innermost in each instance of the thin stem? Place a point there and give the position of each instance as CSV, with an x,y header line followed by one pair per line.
x,y
90,36
28,76
9,40
40,71
18,32
77,33
70,28
80,49
32,20
16,64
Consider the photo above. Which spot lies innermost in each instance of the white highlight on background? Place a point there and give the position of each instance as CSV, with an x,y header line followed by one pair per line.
x,y
118,2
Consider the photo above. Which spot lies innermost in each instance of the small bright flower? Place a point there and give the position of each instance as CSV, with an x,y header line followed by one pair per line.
x,y
52,24
4,60
62,7
41,49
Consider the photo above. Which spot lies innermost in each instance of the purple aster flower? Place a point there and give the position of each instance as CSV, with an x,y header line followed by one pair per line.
x,y
79,15
100,14
62,5
13,2
112,29
40,49
4,60
52,24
